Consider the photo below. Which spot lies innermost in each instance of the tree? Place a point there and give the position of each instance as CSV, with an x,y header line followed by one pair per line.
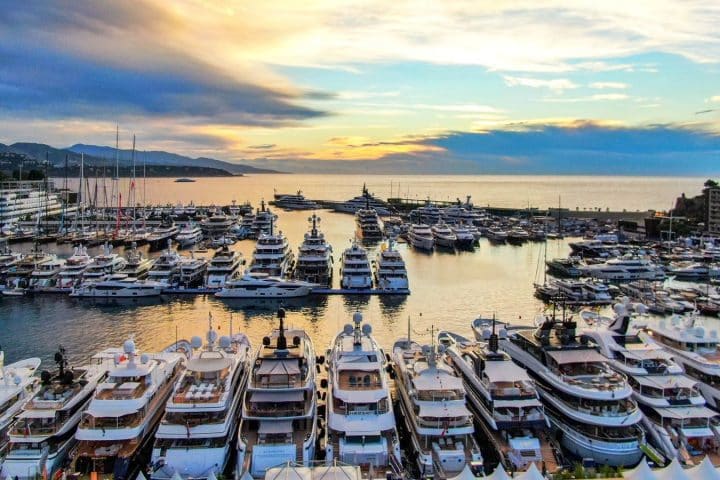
x,y
710,183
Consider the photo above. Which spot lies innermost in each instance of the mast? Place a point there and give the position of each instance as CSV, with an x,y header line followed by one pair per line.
x,y
132,184
81,199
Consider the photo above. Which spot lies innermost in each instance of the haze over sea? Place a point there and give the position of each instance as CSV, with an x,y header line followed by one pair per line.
x,y
448,290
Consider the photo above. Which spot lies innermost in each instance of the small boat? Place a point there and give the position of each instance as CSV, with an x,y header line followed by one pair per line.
x,y
184,180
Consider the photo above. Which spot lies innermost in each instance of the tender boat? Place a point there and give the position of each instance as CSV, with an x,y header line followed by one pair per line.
x,y
279,411
361,426
355,269
194,439
314,260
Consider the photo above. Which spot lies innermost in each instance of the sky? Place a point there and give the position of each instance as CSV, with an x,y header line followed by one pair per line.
x,y
514,86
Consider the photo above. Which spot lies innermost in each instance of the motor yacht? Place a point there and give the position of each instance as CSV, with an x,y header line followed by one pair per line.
x,y
118,286
272,255
295,202
517,235
420,236
363,201
503,397
390,271
260,285
368,225
138,265
217,224
625,269
166,268
160,236
432,403
46,276
428,214
262,221
361,426
279,409
464,238
355,270
103,265
224,265
314,260
71,274
125,410
192,271
496,235
189,235
590,406
18,384
43,434
194,439
443,236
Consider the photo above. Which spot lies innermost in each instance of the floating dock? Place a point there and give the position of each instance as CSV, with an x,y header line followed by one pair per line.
x,y
358,291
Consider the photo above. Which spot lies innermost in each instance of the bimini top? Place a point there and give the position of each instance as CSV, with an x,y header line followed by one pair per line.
x,y
585,355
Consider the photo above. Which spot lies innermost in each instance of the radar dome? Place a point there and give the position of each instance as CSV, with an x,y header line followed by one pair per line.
x,y
502,333
225,342
699,332
357,317
426,349
442,348
367,329
196,342
212,336
144,358
619,309
486,334
348,329
129,346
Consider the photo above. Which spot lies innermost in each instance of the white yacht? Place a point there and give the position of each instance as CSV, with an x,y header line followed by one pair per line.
x,y
192,271
45,277
103,265
363,201
688,271
368,228
18,384
464,238
295,202
43,434
272,255
361,426
504,398
279,411
225,265
189,235
517,235
217,224
496,235
355,269
166,268
428,214
443,236
162,235
314,260
138,265
390,271
71,274
126,409
676,419
194,439
625,269
262,221
260,285
433,405
118,286
420,236
17,276
590,406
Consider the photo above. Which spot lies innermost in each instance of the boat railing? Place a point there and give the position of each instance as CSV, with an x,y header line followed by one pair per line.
x,y
525,417
112,423
595,382
28,427
276,409
444,422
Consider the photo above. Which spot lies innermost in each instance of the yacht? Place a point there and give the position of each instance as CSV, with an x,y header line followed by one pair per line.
x,y
27,199
71,274
262,221
138,265
43,434
433,405
503,397
126,409
625,269
428,214
217,224
314,260
590,406
355,269
189,235
160,236
118,286
46,276
279,410
245,228
103,265
688,271
17,275
368,225
166,268
224,266
194,439
224,241
390,271
464,238
443,236
361,426
676,419
462,213
295,202
192,271
420,236
272,255
496,235
363,201
565,267
18,384
260,285
517,235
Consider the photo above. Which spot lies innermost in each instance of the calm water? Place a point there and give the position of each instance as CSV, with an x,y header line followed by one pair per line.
x,y
448,290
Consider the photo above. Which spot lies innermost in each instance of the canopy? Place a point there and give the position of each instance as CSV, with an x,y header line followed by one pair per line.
x,y
499,474
674,471
264,396
117,410
647,354
279,367
505,371
37,414
340,472
466,474
641,472
533,402
666,381
204,365
140,476
279,426
442,410
686,412
288,472
576,356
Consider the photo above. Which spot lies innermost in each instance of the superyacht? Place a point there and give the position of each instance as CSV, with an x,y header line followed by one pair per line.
x,y
166,268
314,260
368,225
103,265
421,237
18,384
272,254
355,269
224,265
390,271
189,235
443,236
71,274
260,285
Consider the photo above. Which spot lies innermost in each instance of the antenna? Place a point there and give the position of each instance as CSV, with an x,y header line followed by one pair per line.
x,y
281,341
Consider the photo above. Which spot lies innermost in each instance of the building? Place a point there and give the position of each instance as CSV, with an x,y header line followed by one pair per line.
x,y
712,209
27,200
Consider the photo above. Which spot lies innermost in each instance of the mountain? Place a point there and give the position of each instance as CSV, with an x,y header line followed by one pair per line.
x,y
163,158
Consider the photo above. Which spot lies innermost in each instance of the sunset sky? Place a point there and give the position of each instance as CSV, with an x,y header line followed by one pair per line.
x,y
563,86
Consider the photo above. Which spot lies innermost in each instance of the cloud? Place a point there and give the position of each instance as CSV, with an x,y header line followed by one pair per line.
x,y
557,84
264,146
714,99
599,97
605,85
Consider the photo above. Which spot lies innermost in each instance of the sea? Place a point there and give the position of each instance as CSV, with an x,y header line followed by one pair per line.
x,y
448,290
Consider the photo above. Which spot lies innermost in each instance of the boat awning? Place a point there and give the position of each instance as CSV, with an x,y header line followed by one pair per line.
x,y
576,356
435,379
505,371
680,413
294,396
204,365
37,414
531,402
647,354
110,411
666,381
279,367
279,426
442,410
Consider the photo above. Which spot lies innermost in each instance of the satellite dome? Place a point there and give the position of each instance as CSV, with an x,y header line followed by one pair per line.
x,y
196,342
502,333
144,358
348,329
619,309
129,346
225,341
486,334
699,332
367,329
212,336
357,317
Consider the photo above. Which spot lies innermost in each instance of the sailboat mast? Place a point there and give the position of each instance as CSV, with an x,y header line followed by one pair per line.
x,y
81,198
